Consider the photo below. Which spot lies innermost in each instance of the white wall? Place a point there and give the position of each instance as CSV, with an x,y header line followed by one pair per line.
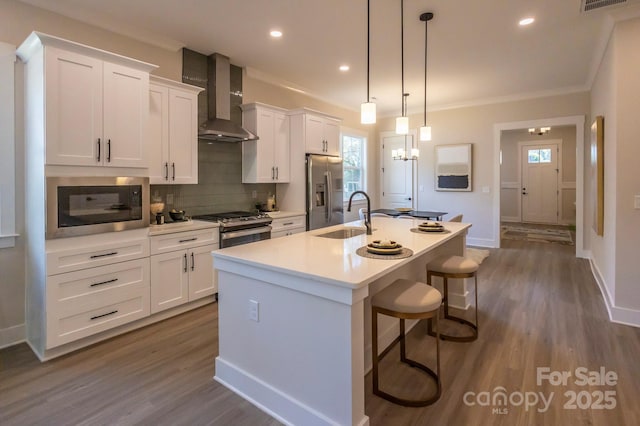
x,y
627,59
603,102
616,96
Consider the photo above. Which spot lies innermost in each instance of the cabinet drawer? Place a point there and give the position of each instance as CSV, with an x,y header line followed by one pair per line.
x,y
86,302
72,286
286,232
83,257
287,223
181,240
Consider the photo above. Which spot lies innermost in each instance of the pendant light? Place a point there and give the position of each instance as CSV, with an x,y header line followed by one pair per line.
x,y
368,109
402,122
425,131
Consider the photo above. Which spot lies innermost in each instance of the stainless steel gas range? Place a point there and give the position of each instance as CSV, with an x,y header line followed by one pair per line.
x,y
240,227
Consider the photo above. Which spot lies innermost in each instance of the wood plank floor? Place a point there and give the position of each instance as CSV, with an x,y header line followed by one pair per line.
x,y
539,307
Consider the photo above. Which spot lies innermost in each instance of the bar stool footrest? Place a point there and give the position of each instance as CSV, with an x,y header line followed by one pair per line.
x,y
472,326
413,402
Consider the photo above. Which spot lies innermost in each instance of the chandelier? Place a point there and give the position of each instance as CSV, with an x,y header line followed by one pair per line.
x,y
539,132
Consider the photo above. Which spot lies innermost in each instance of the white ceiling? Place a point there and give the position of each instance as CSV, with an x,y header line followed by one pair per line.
x,y
477,52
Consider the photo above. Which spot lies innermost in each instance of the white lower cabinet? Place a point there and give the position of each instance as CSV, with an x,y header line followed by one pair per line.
x,y
93,283
88,301
88,288
288,226
182,268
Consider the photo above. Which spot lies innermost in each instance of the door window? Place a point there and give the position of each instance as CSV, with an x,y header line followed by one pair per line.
x,y
539,156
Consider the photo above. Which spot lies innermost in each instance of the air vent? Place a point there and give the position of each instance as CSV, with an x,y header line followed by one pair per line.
x,y
589,5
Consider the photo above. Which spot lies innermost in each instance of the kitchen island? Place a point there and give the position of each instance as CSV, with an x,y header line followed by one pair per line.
x,y
294,316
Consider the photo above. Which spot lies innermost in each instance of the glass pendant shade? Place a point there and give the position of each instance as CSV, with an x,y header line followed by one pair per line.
x,y
425,133
402,125
367,113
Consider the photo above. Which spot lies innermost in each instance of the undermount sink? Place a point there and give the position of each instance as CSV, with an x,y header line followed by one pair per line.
x,y
344,233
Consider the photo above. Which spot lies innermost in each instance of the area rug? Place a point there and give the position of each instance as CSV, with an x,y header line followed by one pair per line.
x,y
540,235
477,255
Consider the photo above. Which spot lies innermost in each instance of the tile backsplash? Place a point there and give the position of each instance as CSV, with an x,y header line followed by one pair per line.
x,y
219,187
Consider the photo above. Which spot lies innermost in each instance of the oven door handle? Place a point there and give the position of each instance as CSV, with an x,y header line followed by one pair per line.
x,y
244,232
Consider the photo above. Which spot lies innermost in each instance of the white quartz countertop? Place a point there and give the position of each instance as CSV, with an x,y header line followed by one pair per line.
x,y
335,261
281,214
173,227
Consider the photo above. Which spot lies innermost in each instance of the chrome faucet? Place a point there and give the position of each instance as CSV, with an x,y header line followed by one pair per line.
x,y
367,221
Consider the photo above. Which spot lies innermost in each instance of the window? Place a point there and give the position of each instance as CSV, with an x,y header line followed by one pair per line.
x,y
539,156
7,146
353,162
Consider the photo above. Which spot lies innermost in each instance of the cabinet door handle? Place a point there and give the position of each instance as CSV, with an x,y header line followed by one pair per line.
x,y
108,150
104,282
273,173
104,315
99,149
277,172
166,171
185,262
173,171
96,256
193,262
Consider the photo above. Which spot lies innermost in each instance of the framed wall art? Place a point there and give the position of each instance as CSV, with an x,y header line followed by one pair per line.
x,y
597,174
453,167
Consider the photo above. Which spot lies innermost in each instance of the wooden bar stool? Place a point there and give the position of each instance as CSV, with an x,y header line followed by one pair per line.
x,y
405,299
454,267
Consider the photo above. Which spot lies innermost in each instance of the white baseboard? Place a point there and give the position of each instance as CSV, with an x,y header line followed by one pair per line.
x,y
481,242
617,314
510,219
269,399
12,336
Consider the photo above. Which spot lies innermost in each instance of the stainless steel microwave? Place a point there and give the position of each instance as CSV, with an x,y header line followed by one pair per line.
x,y
93,205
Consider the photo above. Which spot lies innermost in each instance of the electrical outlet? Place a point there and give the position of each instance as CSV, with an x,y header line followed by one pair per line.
x,y
169,198
254,194
636,202
486,189
254,310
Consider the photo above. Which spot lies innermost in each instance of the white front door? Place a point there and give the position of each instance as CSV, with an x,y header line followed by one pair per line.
x,y
396,175
540,183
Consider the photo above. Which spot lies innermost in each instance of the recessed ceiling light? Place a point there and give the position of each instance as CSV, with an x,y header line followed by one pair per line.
x,y
344,67
526,21
276,33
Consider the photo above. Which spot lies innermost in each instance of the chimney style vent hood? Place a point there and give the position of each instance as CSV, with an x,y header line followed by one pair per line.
x,y
219,126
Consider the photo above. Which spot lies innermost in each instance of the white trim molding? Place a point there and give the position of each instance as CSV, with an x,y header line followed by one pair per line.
x,y
12,336
576,120
617,314
7,146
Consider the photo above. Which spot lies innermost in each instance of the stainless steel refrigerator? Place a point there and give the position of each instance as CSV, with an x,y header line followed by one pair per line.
x,y
324,191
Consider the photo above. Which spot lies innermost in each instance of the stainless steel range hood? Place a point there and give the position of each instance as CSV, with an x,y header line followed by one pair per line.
x,y
219,126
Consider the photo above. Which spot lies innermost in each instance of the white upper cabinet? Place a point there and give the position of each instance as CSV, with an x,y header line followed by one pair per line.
x,y
74,117
90,106
173,132
267,159
320,132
